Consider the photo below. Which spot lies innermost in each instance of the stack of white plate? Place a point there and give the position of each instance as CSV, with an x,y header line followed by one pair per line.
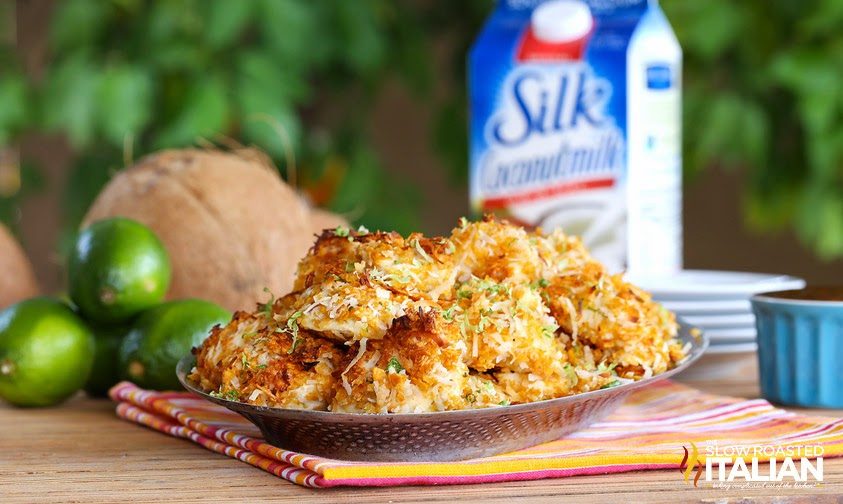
x,y
717,302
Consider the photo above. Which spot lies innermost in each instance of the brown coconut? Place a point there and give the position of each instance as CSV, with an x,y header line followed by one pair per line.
x,y
232,227
17,280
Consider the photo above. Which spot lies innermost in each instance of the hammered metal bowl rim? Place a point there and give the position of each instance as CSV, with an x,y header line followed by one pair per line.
x,y
699,343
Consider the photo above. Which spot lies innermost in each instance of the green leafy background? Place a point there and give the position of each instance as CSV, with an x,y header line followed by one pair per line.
x,y
762,95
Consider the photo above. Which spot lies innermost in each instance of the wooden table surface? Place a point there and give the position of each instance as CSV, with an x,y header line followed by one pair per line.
x,y
81,452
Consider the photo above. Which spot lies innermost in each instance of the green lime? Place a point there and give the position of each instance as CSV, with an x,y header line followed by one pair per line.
x,y
117,268
46,352
163,335
106,369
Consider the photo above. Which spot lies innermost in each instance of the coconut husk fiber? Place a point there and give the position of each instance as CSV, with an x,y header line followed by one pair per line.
x,y
231,225
17,279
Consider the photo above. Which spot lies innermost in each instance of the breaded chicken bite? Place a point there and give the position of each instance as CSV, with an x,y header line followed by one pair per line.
x,y
254,360
416,266
345,308
522,387
496,250
416,367
506,326
618,320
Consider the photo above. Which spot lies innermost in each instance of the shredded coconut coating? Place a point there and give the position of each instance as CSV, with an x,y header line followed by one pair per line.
x,y
490,316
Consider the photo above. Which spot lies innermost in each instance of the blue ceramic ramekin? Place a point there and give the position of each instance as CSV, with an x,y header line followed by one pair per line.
x,y
800,346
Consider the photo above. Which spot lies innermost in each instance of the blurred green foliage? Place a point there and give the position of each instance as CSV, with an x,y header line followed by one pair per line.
x,y
134,76
762,94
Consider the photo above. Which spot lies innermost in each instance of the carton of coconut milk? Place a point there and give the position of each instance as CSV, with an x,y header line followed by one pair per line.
x,y
576,123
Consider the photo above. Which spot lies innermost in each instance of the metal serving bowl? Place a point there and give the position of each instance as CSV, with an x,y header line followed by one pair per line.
x,y
440,436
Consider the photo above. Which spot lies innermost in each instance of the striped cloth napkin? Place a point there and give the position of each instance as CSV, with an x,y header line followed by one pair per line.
x,y
648,432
